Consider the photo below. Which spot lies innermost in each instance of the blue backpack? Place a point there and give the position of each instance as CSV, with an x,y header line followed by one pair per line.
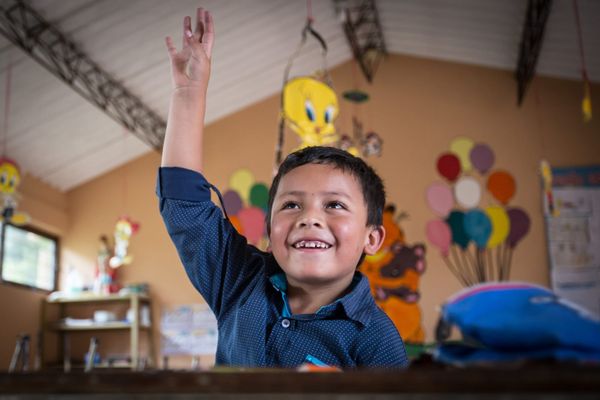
x,y
513,322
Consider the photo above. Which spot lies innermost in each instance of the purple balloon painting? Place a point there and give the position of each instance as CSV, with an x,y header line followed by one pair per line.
x,y
232,202
482,157
519,226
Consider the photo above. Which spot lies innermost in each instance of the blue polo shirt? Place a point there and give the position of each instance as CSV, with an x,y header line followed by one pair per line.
x,y
246,290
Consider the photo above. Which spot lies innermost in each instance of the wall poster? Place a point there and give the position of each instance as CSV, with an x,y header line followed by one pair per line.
x,y
572,214
189,329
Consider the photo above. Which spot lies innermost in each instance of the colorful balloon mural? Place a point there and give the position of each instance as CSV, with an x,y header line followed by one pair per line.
x,y
461,146
467,192
439,198
475,230
246,204
439,234
448,165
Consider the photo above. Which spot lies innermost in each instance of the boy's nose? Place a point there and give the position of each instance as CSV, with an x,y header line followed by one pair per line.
x,y
309,219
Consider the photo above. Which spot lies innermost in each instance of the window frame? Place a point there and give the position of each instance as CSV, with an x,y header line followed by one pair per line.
x,y
32,229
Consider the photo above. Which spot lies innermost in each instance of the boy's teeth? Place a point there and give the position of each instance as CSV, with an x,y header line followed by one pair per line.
x,y
311,245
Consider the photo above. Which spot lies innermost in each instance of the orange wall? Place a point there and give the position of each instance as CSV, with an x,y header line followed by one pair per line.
x,y
418,106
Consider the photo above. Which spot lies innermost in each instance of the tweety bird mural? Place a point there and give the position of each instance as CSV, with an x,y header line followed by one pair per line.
x,y
10,178
310,108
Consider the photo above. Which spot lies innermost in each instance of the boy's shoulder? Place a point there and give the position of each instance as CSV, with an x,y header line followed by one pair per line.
x,y
377,320
360,306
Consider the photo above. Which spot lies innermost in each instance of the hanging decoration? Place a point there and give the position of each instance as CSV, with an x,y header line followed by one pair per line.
x,y
105,278
309,109
113,254
586,102
10,178
360,20
355,96
309,105
394,276
125,228
476,240
360,144
10,175
546,173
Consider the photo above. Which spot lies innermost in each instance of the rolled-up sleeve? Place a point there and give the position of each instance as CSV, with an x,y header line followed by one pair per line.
x,y
217,259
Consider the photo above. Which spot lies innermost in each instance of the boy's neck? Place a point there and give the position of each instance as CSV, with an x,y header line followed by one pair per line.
x,y
308,299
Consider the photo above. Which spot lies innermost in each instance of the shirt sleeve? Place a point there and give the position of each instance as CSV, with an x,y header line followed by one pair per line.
x,y
217,259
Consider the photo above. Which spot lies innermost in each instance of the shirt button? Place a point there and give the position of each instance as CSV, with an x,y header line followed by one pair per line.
x,y
285,323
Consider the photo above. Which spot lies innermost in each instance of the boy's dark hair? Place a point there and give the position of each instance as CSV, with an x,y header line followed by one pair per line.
x,y
370,183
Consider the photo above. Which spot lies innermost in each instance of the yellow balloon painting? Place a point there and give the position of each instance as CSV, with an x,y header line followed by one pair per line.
x,y
500,225
461,146
241,181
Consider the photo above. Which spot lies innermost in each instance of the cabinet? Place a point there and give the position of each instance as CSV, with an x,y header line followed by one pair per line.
x,y
55,319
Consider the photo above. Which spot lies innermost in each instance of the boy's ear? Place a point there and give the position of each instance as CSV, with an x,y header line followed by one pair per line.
x,y
374,239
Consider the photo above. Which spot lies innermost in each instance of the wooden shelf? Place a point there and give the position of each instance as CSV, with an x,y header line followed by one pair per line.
x,y
63,329
94,327
95,298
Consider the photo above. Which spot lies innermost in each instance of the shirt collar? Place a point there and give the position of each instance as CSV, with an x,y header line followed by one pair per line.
x,y
357,303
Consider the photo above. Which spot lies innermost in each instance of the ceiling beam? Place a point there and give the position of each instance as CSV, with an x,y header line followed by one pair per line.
x,y
531,44
28,30
363,31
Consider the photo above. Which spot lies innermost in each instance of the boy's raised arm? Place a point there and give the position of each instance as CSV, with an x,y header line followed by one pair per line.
x,y
190,72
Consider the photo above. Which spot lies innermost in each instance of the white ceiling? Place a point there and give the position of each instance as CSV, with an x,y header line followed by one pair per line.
x,y
65,141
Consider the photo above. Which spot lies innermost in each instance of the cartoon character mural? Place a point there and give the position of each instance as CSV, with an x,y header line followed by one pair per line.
x,y
105,277
124,229
394,273
361,144
10,178
310,108
113,256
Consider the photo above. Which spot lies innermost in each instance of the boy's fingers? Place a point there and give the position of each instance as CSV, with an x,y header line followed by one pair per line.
x,y
170,46
200,12
209,34
187,29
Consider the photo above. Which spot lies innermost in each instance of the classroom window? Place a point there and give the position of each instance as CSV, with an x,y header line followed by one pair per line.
x,y
28,257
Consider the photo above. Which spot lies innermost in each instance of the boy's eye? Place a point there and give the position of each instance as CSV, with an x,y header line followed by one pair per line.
x,y
336,205
289,205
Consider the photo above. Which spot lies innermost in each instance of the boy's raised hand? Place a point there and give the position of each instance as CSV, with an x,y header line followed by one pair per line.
x,y
190,67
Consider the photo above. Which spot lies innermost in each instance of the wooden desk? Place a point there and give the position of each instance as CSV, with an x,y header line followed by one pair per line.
x,y
540,381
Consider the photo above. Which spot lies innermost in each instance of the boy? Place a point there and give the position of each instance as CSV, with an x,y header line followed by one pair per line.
x,y
304,302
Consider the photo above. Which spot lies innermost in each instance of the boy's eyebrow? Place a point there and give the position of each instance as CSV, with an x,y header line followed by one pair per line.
x,y
300,193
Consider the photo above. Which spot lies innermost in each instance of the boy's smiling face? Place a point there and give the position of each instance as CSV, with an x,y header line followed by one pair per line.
x,y
318,226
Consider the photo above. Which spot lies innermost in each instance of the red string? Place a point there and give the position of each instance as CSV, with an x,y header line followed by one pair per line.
x,y
309,15
538,118
6,106
124,172
580,40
